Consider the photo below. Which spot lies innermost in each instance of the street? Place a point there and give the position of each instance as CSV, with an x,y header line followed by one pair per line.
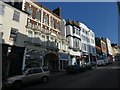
x,y
102,77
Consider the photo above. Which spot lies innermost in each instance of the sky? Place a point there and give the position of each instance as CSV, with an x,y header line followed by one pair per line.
x,y
100,17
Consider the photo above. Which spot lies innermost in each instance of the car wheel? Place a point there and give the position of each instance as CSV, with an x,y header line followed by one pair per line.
x,y
45,79
17,85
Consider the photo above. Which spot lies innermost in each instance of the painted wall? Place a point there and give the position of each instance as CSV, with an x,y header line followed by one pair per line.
x,y
8,22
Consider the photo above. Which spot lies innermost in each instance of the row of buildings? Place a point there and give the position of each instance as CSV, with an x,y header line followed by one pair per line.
x,y
33,36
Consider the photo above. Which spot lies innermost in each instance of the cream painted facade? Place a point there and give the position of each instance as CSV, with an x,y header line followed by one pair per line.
x,y
8,23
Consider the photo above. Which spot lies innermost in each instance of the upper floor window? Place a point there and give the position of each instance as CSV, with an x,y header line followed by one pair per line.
x,y
84,46
92,34
38,15
92,41
86,32
76,30
45,19
52,23
29,10
36,34
2,8
52,39
57,25
30,33
76,43
43,37
83,30
13,34
16,15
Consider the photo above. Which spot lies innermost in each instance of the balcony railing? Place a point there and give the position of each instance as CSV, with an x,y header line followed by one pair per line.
x,y
35,41
52,45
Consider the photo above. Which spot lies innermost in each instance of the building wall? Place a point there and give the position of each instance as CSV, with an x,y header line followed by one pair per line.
x,y
42,26
8,22
109,48
43,32
71,36
71,31
12,39
103,46
87,39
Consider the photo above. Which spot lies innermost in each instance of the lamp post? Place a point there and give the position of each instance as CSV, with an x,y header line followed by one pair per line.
x,y
7,68
9,50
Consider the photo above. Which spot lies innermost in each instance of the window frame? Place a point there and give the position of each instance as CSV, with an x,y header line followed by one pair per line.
x,y
16,15
2,9
13,34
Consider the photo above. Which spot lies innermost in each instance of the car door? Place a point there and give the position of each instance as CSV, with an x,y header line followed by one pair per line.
x,y
30,76
39,74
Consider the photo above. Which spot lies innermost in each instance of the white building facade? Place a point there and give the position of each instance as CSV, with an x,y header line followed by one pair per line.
x,y
88,43
72,33
109,49
81,42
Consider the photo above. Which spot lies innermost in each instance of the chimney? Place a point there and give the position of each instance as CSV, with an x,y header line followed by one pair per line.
x,y
57,11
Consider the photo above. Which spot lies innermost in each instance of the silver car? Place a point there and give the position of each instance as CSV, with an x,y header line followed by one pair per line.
x,y
29,76
100,62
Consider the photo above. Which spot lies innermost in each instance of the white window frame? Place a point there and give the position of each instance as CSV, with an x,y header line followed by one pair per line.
x,y
13,34
16,15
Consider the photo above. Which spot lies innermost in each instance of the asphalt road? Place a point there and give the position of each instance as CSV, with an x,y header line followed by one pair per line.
x,y
102,77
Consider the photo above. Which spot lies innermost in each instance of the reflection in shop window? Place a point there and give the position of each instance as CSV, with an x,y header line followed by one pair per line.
x,y
33,59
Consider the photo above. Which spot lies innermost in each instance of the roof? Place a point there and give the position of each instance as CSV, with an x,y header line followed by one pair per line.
x,y
47,9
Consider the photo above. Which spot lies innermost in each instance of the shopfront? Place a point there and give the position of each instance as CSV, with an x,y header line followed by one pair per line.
x,y
51,60
12,58
64,59
33,57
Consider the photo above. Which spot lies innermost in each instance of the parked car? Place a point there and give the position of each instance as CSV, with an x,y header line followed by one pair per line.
x,y
90,65
106,61
72,69
29,76
100,62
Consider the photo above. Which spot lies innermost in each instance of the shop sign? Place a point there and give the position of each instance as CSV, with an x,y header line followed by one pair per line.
x,y
63,56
